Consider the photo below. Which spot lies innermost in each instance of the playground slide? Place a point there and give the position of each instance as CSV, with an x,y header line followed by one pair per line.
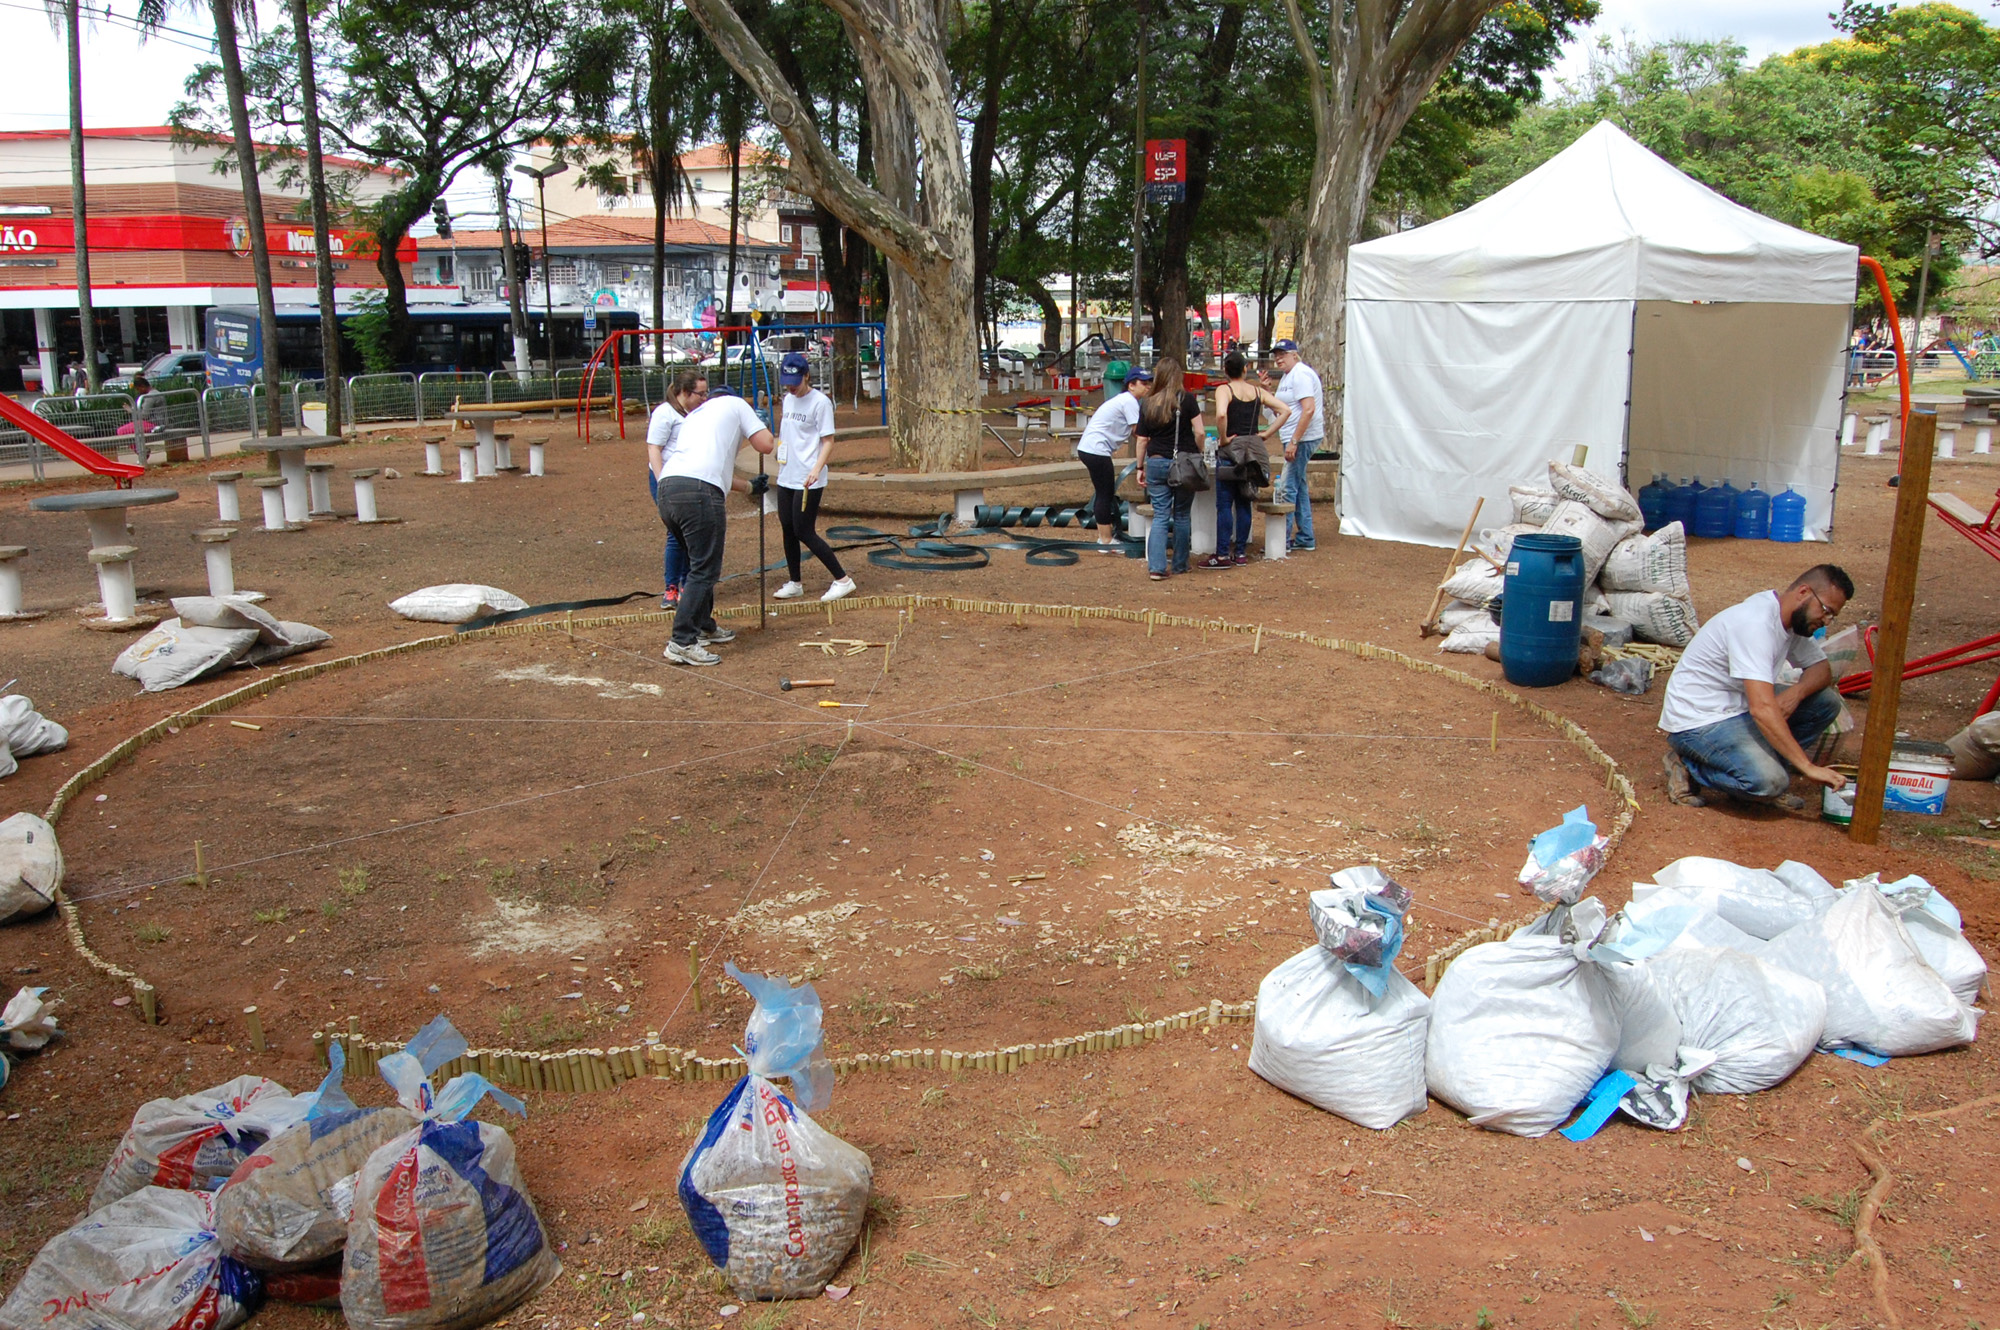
x,y
83,455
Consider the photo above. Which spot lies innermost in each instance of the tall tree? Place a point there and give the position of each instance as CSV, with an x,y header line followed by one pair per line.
x,y
69,13
329,316
236,95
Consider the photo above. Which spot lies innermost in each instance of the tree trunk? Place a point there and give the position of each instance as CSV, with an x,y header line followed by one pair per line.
x,y
735,221
1170,330
517,314
329,317
86,314
253,207
658,75
1337,208
1052,320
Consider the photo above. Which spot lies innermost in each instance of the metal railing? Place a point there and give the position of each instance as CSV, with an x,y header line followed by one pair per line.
x,y
439,390
383,397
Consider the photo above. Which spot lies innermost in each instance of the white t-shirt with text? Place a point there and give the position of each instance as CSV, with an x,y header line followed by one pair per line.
x,y
1300,382
808,419
1745,641
1110,426
710,437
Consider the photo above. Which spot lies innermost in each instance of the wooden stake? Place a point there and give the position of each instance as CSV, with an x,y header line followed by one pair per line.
x,y
200,867
1430,618
694,974
1496,732
1257,645
1899,591
149,1004
256,1024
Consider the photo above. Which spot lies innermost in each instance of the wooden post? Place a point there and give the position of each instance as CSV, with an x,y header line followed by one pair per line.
x,y
256,1024
694,974
1430,618
200,867
1899,592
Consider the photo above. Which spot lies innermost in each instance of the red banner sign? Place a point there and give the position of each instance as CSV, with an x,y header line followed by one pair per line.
x,y
168,232
1166,161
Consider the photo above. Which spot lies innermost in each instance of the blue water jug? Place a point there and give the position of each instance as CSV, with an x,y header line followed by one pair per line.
x,y
1788,516
1653,502
1715,511
1680,505
1753,514
1541,613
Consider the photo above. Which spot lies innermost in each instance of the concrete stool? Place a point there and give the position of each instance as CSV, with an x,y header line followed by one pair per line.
x,y
962,504
1847,429
214,542
319,486
1201,524
433,458
10,586
227,506
1138,520
116,585
537,451
503,453
1274,528
364,495
1947,440
272,489
1878,434
468,462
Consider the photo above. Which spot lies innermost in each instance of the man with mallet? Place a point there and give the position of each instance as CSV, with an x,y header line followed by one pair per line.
x,y
694,475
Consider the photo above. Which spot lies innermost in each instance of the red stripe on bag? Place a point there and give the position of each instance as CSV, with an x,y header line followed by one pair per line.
x,y
177,1161
205,1314
406,1285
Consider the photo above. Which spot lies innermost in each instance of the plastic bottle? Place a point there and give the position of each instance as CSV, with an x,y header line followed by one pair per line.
x,y
1653,502
1715,511
1788,516
1753,514
1680,505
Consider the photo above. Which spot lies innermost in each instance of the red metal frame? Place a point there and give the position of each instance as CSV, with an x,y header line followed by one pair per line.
x,y
584,392
1902,353
121,473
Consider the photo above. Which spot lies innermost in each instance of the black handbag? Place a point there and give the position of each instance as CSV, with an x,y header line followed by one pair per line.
x,y
1188,472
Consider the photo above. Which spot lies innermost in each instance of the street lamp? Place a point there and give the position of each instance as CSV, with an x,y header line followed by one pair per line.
x,y
540,177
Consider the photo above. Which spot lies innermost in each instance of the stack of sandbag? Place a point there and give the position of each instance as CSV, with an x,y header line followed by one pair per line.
x,y
149,1261
775,1199
196,1141
1337,1025
25,732
31,867
212,634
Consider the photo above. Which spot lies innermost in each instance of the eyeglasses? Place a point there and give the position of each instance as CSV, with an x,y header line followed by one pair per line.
x,y
1824,612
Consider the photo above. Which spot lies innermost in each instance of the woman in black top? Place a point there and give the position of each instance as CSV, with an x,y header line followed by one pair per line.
x,y
1169,422
1239,403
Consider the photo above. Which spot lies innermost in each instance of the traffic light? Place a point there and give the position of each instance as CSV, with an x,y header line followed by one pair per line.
x,y
523,260
441,214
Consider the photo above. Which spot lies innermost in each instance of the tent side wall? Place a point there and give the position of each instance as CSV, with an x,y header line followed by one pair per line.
x,y
1447,402
1742,392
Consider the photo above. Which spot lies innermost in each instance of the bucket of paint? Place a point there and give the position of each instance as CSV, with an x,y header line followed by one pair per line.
x,y
1837,806
1919,777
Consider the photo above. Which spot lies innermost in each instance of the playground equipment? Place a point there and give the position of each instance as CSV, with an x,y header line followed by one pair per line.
x,y
67,444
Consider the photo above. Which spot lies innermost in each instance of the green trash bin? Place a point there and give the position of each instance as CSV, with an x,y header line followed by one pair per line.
x,y
1114,377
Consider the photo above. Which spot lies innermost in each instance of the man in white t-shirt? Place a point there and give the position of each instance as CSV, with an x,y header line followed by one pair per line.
x,y
804,449
1729,727
1299,388
695,473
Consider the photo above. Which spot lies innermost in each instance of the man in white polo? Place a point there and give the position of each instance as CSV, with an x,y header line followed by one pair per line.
x,y
1303,431
697,469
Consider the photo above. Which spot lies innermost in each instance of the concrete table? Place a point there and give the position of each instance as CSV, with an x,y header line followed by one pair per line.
x,y
291,450
482,423
105,511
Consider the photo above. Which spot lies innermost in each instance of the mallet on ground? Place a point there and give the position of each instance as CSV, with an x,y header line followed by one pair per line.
x,y
789,684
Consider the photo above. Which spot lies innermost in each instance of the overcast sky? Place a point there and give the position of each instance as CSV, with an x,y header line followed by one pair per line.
x,y
130,83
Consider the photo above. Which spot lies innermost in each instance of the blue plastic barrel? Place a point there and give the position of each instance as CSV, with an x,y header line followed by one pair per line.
x,y
1680,505
1541,613
1653,502
1753,514
1788,516
1715,511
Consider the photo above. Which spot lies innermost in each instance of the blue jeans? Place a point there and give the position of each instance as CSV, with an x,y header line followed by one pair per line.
x,y
1733,755
1232,518
676,561
1173,512
1299,526
693,510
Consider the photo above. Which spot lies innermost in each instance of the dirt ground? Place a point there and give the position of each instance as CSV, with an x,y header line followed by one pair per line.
x,y
1234,1204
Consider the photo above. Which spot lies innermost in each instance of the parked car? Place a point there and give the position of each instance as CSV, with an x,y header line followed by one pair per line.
x,y
739,356
166,365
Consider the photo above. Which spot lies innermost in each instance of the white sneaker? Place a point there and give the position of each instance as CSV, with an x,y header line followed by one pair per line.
x,y
844,587
789,591
691,654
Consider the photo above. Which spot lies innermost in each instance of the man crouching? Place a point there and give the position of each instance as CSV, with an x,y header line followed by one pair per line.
x,y
696,470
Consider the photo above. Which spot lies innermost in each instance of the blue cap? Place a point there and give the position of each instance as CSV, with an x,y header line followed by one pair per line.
x,y
793,369
723,390
1138,374
1285,344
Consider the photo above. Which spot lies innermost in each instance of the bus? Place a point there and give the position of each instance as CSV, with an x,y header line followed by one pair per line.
x,y
465,338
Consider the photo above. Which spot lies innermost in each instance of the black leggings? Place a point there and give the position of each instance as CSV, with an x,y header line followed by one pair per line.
x,y
1104,481
798,520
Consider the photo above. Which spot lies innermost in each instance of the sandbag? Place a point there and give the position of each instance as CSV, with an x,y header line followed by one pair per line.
x,y
1459,612
175,653
1598,534
31,867
1934,925
1760,1021
776,1200
147,1262
1667,621
455,602
24,731
1881,994
297,637
1473,636
1496,542
195,1142
1656,562
1532,504
1476,582
1762,902
1324,1037
276,638
1602,495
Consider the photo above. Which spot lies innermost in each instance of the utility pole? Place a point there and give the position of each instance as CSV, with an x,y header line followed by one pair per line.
x,y
1923,292
541,179
517,315
1139,185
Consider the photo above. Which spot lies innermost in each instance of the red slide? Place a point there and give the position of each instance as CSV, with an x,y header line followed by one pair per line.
x,y
84,456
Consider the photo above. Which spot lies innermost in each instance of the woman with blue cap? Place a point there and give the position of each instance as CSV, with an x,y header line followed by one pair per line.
x,y
804,449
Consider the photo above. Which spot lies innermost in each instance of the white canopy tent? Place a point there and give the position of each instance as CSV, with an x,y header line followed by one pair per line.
x,y
1604,299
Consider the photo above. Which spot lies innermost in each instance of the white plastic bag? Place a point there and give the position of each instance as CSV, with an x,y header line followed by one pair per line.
x,y
1325,1038
31,867
1473,636
28,1021
443,1234
1762,902
455,602
1760,1021
1934,925
1563,859
195,1142
148,1262
176,653
25,731
776,1200
276,638
1656,562
1881,995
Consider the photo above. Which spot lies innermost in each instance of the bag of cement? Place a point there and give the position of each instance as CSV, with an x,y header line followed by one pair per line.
x,y
443,1235
1935,926
1762,902
1656,562
175,653
1497,542
275,1212
776,1200
455,602
1475,582
25,731
1881,995
1522,1029
276,638
1473,636
195,1142
1457,613
1668,621
31,867
1603,496
1563,859
1597,534
1760,1021
1532,504
148,1262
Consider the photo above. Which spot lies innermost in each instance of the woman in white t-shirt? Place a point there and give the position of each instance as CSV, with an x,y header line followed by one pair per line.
x,y
688,391
803,453
1111,427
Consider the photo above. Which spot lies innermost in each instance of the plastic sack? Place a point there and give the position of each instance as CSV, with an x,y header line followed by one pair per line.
x,y
1476,582
1762,902
1597,534
1630,675
1532,504
1653,923
147,1262
455,602
27,1021
1473,636
176,653
276,638
776,1200
195,1142
25,731
443,1235
1656,562
1497,542
1760,1021
1934,925
1323,1036
1358,918
1603,496
1668,621
1563,859
276,1212
1655,1096
1881,995
31,867
1458,612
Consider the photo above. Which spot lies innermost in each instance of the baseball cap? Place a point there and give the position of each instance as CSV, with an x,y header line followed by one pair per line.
x,y
1138,374
1285,344
723,390
793,369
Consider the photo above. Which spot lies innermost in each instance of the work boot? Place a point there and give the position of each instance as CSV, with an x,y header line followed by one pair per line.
x,y
1680,785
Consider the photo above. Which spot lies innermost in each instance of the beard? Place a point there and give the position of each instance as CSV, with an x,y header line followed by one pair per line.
x,y
1800,625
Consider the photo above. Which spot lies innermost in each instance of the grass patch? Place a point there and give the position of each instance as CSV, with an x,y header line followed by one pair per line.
x,y
152,934
276,916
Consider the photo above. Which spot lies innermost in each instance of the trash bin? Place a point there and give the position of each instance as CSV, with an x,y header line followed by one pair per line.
x,y
1114,377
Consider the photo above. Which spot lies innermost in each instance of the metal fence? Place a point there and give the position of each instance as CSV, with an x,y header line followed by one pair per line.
x,y
439,391
382,397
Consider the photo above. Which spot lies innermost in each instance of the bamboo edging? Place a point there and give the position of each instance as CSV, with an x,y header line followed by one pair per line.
x,y
575,1069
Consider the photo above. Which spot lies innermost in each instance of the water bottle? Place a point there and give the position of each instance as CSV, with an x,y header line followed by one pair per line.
x,y
1753,514
1653,502
1680,505
1788,516
1715,511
